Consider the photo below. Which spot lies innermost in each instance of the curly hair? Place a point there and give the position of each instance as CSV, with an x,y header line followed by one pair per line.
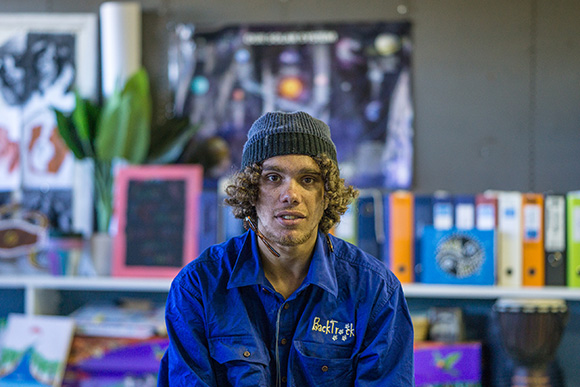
x,y
244,189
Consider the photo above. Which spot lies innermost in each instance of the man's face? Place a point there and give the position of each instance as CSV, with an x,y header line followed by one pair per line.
x,y
291,200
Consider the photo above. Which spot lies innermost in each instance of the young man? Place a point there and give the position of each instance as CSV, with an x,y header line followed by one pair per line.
x,y
286,303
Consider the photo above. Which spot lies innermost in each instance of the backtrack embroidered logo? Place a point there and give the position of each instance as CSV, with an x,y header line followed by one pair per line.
x,y
337,330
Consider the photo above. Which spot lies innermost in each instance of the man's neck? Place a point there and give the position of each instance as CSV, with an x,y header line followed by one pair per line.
x,y
286,272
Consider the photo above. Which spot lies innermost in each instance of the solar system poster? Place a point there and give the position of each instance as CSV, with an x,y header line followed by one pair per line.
x,y
355,77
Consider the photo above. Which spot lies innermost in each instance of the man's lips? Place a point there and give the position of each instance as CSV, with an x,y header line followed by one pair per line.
x,y
289,215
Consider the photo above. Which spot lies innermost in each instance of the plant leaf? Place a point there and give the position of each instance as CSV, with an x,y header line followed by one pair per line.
x,y
94,115
168,140
108,145
68,133
139,117
124,128
80,118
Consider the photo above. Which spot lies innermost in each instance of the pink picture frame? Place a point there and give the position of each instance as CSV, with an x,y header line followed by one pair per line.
x,y
157,214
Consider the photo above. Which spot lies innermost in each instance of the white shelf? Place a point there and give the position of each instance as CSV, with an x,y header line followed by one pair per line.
x,y
489,292
163,284
42,294
87,283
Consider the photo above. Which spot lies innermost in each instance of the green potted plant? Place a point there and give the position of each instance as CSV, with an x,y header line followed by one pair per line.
x,y
119,130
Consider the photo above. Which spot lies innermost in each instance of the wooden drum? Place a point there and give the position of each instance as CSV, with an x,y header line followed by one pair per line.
x,y
530,331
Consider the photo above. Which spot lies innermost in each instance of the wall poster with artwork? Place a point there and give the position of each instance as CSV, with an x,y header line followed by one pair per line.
x,y
354,76
43,59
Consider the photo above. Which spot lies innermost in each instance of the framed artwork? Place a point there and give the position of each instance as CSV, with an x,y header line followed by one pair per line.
x,y
354,76
43,58
157,211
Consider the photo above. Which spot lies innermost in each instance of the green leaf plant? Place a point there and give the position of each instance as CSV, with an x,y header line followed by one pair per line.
x,y
119,130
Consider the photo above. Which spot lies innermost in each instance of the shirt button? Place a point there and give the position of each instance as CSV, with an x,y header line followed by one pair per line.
x,y
324,368
283,341
286,306
246,353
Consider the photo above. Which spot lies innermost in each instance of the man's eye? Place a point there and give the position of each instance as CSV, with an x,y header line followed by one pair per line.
x,y
273,178
308,180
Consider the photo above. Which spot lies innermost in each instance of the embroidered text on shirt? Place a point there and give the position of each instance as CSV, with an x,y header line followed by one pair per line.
x,y
334,328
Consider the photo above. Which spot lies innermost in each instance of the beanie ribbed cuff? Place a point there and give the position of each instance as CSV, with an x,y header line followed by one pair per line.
x,y
281,144
279,134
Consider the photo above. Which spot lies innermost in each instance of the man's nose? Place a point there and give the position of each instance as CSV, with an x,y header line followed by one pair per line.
x,y
290,192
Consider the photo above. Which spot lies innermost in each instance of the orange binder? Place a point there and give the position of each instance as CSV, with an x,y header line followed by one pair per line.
x,y
401,235
534,266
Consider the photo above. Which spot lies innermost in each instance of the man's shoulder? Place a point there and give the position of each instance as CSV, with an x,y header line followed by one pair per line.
x,y
361,264
215,261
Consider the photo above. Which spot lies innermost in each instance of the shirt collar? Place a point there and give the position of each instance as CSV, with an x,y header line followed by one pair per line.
x,y
248,271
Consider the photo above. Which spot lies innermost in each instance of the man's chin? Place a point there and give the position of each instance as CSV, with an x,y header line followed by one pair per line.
x,y
293,239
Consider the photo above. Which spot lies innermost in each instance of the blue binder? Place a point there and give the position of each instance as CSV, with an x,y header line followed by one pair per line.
x,y
423,217
462,257
371,233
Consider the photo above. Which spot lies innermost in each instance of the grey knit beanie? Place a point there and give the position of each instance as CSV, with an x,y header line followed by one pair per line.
x,y
278,134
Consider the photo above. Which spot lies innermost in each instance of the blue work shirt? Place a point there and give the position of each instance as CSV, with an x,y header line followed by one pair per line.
x,y
347,324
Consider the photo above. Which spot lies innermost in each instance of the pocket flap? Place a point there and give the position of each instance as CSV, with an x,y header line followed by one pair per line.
x,y
238,348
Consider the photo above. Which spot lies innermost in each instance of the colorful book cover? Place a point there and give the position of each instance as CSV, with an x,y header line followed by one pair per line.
x,y
386,250
509,239
111,320
35,350
573,231
555,239
112,362
458,257
371,232
534,268
423,217
401,235
347,228
228,225
208,221
453,364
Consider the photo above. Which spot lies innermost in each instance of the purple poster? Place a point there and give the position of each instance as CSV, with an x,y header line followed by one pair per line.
x,y
355,77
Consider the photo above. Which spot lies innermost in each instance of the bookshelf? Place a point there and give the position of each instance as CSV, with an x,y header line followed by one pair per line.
x,y
44,294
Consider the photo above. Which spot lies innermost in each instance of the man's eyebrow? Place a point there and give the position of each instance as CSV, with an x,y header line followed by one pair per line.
x,y
272,168
303,171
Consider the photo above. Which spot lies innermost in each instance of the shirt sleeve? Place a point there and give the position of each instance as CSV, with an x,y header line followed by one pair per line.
x,y
387,359
186,361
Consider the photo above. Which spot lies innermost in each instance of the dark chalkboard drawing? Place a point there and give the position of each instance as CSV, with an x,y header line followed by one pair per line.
x,y
157,213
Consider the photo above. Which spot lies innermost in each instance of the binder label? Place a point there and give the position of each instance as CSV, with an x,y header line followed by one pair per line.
x,y
532,222
508,223
485,216
555,224
442,216
576,225
464,216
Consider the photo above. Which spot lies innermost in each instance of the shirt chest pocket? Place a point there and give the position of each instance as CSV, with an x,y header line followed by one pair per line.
x,y
239,361
321,364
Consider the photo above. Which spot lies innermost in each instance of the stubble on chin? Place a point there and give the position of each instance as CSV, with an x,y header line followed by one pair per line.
x,y
289,240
